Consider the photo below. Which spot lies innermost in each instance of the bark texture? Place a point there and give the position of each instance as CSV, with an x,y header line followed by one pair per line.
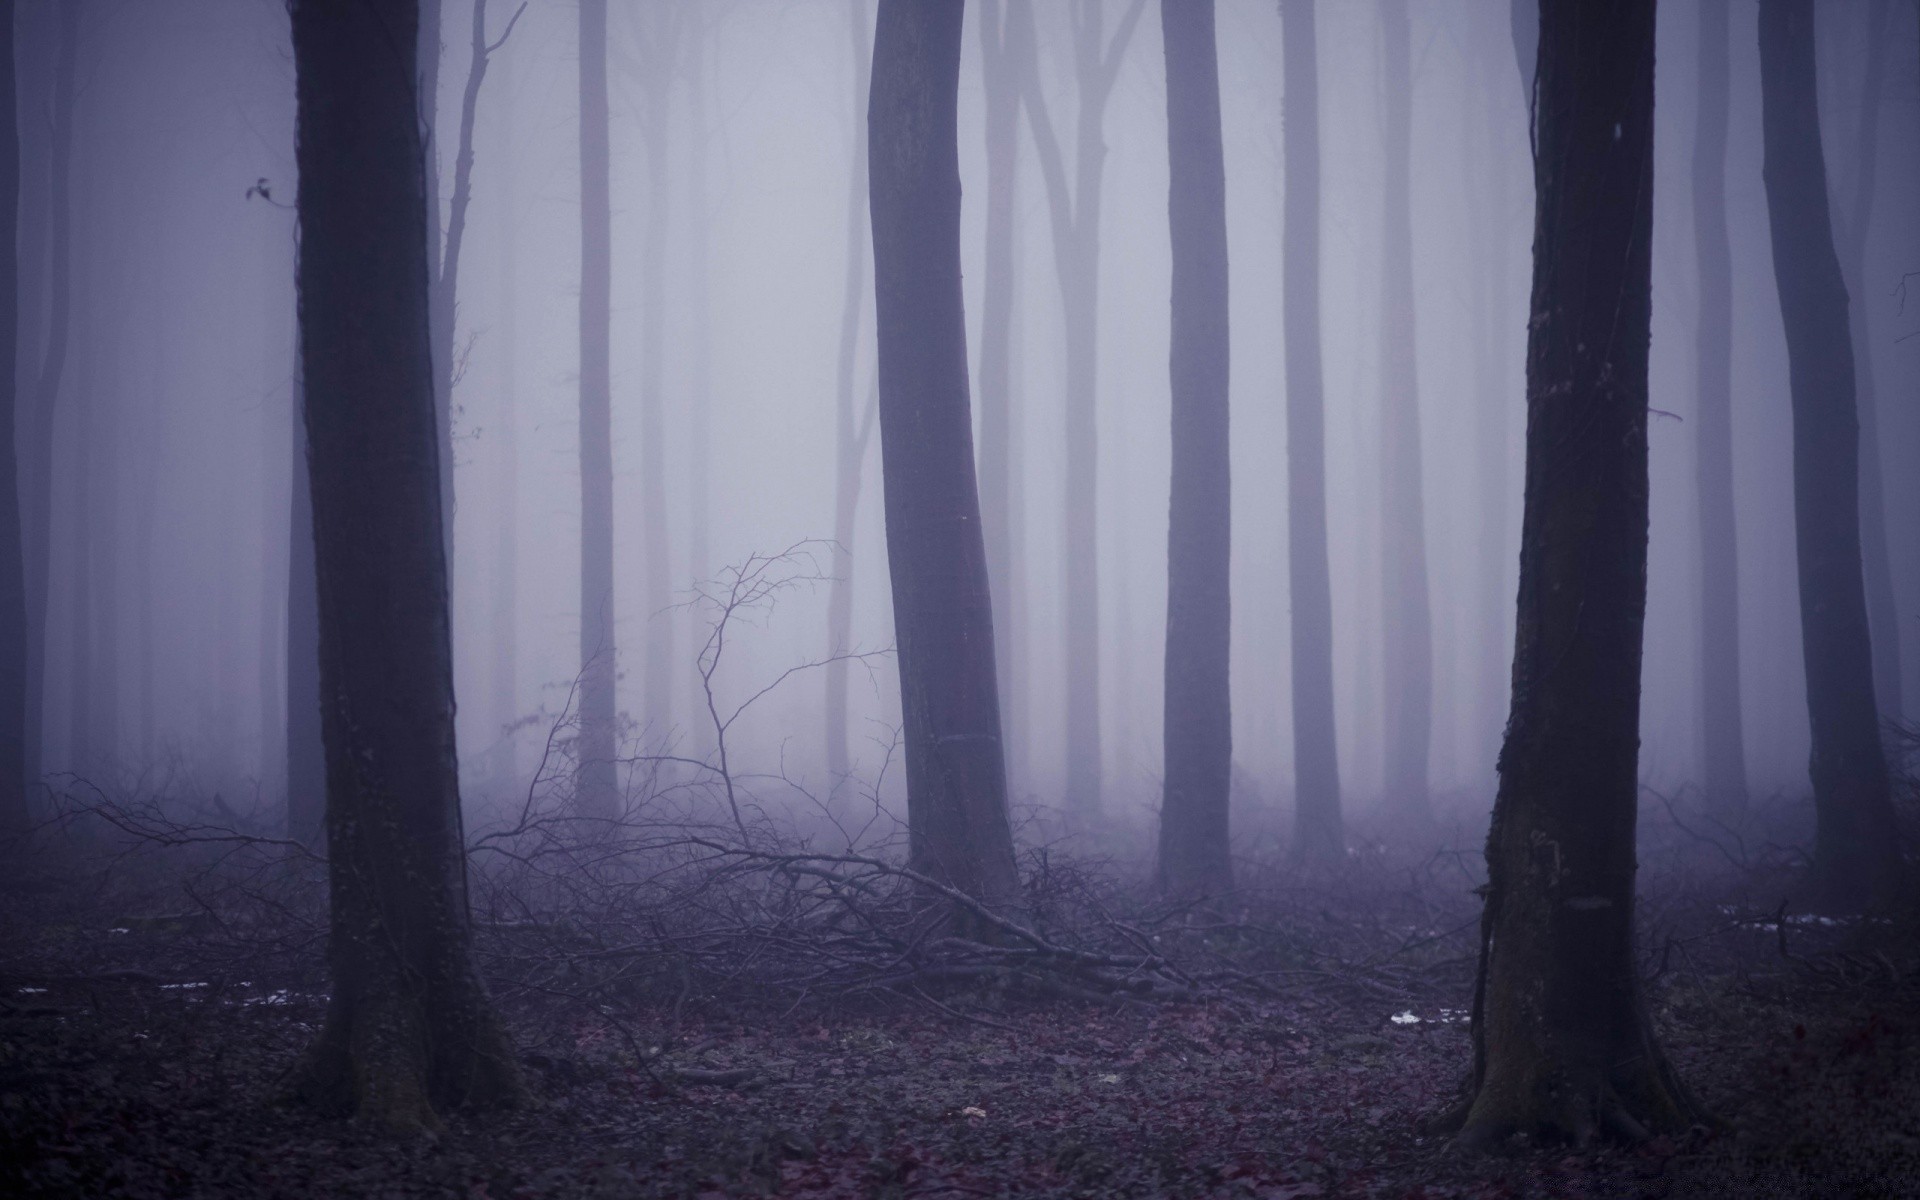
x,y
942,610
1318,832
1723,742
1562,1044
1856,854
409,1029
1194,845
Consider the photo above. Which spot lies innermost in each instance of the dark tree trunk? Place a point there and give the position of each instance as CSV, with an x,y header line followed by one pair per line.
x,y
1194,848
14,816
1562,1044
850,433
1855,853
1317,829
409,1028
596,786
1002,86
429,51
1723,742
1407,643
1883,613
306,751
942,609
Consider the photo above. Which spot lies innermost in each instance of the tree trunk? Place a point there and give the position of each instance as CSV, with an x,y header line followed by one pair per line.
x,y
943,617
1883,613
1562,1044
306,752
429,51
14,814
661,46
596,786
1723,741
1194,847
1856,852
1317,831
1002,86
1407,641
409,1028
849,444
506,492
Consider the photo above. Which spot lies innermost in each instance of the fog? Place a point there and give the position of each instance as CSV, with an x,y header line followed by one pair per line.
x,y
736,133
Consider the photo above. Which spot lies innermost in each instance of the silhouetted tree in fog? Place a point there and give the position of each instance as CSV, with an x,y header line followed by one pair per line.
x,y
1317,828
1723,742
851,430
1076,259
596,783
1562,1043
1855,851
1194,857
13,583
942,611
1407,644
409,1028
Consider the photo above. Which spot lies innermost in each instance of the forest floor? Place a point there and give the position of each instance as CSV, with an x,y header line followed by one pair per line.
x,y
139,1057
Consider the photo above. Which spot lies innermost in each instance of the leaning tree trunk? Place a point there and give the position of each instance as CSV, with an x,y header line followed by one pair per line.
x,y
1317,829
1856,854
1194,858
14,817
1408,641
1724,742
942,610
596,786
1562,1044
409,1028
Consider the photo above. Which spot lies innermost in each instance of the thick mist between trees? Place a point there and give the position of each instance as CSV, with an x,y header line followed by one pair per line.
x,y
734,141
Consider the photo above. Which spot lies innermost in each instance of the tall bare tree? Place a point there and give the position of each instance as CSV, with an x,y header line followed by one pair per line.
x,y
1194,845
942,608
1856,855
1562,1043
409,1029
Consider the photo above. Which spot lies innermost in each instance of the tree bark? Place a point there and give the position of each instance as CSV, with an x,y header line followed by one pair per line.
x,y
596,787
409,1028
850,434
1407,641
15,819
1562,1044
1856,856
1723,741
1194,830
306,751
943,616
1317,828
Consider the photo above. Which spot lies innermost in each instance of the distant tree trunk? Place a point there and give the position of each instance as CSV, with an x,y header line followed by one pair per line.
x,y
660,34
1317,829
1562,1043
700,349
37,468
409,1028
1724,743
1856,855
849,442
596,788
506,491
306,751
1194,847
1002,86
943,618
1883,613
1407,642
1076,251
14,814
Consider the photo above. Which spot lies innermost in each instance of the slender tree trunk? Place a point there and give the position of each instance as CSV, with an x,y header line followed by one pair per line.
x,y
1002,85
1883,613
700,349
657,92
409,1028
1724,743
1317,830
1194,845
506,518
1856,856
15,817
943,616
849,442
597,786
1408,638
1562,1043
